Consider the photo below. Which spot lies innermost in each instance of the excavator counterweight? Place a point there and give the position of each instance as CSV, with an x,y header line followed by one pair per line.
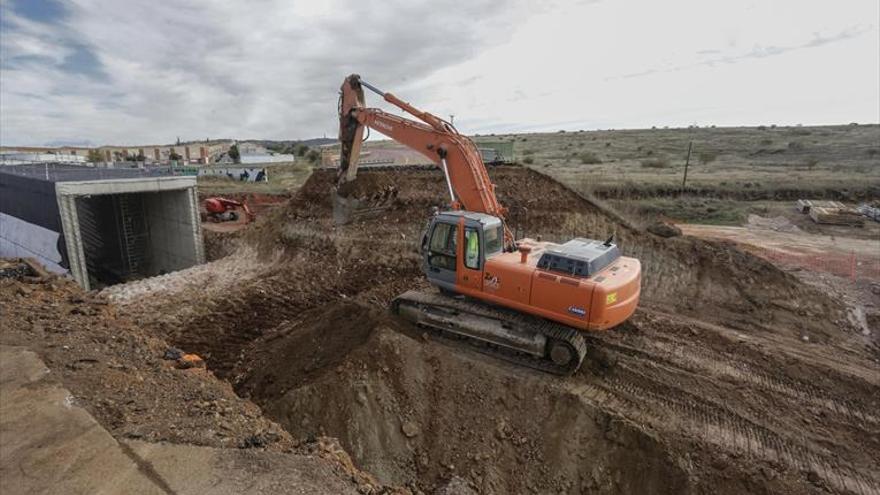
x,y
522,300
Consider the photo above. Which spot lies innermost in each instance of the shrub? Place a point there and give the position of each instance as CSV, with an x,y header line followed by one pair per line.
x,y
95,156
313,156
529,152
588,158
528,160
233,153
707,157
811,163
766,142
795,146
655,163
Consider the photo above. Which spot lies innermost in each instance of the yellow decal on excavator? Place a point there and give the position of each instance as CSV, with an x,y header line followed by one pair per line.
x,y
611,298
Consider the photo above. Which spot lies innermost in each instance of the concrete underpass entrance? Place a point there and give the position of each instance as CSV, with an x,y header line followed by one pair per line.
x,y
103,226
115,237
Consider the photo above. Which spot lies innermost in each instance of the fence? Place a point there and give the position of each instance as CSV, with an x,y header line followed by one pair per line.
x,y
849,265
496,151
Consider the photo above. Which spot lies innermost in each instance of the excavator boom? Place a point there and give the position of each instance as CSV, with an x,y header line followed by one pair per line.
x,y
466,178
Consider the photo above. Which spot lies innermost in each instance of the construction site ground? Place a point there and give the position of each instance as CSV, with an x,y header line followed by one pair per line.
x,y
734,376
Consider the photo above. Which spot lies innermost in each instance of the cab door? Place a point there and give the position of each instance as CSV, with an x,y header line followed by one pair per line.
x,y
470,255
440,251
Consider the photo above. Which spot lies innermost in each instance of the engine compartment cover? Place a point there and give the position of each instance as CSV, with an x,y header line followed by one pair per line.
x,y
579,256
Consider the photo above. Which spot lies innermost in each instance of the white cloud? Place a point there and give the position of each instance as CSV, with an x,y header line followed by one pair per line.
x,y
272,68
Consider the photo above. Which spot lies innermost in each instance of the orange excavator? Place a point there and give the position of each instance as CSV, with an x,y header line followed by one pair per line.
x,y
224,210
523,300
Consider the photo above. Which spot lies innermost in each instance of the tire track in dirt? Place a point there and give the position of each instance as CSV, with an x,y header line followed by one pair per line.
x,y
697,360
715,425
797,391
645,388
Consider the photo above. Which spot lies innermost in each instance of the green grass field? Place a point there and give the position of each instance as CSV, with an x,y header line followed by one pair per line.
x,y
722,159
283,179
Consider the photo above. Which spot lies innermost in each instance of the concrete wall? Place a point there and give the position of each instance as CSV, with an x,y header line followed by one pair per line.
x,y
173,231
266,158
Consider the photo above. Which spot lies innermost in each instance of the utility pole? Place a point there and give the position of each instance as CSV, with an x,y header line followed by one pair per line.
x,y
686,163
452,119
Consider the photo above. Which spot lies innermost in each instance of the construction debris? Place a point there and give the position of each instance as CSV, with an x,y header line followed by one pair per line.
x,y
830,212
869,211
805,205
837,216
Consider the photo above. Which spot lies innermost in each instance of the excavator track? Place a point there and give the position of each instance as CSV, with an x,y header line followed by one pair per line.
x,y
515,337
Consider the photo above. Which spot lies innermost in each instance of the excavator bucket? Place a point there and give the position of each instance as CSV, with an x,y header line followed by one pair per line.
x,y
347,205
351,135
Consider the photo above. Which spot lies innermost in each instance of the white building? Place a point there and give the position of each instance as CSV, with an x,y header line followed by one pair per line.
x,y
21,157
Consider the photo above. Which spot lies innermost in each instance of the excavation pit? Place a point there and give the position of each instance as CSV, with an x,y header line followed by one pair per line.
x,y
712,390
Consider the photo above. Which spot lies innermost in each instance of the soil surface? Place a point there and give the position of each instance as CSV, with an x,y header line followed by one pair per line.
x,y
119,372
733,377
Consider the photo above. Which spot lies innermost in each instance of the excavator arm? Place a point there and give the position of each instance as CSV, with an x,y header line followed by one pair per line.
x,y
466,177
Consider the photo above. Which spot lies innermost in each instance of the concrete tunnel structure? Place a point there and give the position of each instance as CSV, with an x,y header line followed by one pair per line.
x,y
102,226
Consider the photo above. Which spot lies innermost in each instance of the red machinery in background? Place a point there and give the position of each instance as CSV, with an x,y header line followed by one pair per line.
x,y
227,210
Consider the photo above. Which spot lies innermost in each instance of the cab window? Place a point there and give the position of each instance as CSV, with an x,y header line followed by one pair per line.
x,y
471,248
494,239
442,246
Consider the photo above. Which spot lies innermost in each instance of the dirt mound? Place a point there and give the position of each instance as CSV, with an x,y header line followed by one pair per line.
x,y
779,224
118,370
299,351
705,279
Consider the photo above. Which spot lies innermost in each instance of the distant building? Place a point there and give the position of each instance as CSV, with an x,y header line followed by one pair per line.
x,y
30,154
22,157
192,153
255,154
266,158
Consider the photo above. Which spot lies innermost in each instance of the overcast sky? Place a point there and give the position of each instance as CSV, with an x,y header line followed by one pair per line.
x,y
97,72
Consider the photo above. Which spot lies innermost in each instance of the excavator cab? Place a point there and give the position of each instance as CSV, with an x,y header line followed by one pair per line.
x,y
457,244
